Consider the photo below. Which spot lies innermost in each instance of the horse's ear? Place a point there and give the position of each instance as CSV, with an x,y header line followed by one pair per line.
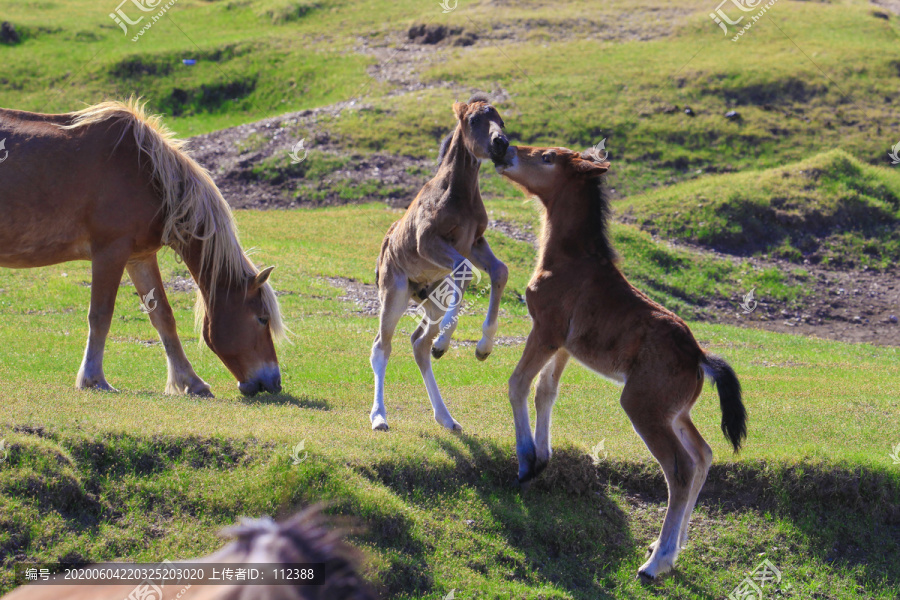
x,y
460,108
261,278
590,168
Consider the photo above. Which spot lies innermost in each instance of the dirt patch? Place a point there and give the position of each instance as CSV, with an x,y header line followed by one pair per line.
x,y
849,306
892,6
254,164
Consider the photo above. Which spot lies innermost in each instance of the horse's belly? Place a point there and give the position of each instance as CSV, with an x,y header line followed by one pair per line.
x,y
19,251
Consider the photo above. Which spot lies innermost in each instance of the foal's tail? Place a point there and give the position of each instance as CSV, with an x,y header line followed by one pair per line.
x,y
734,415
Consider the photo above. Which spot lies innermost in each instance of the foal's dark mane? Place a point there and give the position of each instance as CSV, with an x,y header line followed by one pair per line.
x,y
445,143
596,228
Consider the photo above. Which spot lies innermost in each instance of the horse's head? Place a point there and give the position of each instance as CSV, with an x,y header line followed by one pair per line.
x,y
544,172
239,325
482,128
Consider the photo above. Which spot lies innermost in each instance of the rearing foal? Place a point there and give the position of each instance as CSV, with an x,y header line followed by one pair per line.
x,y
583,306
441,230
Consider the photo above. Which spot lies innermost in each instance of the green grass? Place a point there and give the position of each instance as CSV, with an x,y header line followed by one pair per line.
x,y
830,208
143,476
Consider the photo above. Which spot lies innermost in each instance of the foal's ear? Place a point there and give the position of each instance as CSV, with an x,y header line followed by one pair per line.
x,y
589,169
460,108
261,278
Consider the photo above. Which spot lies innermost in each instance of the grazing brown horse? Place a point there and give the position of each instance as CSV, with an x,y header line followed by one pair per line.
x,y
111,185
302,540
442,230
582,306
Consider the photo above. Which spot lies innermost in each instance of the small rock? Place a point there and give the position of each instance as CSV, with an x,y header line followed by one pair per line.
x,y
733,115
8,33
892,318
688,111
857,319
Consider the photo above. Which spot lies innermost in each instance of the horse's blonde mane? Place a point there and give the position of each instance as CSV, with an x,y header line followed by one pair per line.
x,y
192,205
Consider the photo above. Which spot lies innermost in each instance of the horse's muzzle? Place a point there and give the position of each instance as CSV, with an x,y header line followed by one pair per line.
x,y
498,147
266,379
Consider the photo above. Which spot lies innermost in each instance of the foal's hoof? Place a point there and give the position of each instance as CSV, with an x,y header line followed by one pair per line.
x,y
437,353
98,386
379,423
481,356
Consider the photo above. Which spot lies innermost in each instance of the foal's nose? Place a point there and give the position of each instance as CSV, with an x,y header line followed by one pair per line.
x,y
499,145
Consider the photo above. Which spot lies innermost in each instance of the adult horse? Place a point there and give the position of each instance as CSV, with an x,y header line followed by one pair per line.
x,y
302,540
582,306
111,185
426,255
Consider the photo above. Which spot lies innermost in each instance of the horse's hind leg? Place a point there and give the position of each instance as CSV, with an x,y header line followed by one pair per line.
x,y
484,259
107,267
652,418
702,453
422,339
393,292
181,379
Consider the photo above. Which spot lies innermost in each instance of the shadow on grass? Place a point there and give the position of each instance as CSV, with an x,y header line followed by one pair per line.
x,y
288,400
574,535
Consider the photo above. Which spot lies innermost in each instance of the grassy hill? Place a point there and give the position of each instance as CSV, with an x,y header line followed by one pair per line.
x,y
813,76
829,209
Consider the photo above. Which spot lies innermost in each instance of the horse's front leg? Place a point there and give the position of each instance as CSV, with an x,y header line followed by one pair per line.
x,y
484,259
182,379
107,266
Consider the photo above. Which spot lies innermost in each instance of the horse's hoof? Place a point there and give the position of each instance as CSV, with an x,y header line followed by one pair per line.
x,y
379,423
436,353
481,356
201,392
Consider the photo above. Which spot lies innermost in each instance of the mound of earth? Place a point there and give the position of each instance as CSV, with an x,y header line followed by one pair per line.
x,y
830,209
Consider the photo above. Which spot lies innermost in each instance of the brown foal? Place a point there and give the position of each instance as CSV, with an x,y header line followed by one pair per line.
x,y
582,306
441,232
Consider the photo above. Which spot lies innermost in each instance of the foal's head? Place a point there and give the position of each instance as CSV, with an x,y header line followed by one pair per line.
x,y
482,128
545,172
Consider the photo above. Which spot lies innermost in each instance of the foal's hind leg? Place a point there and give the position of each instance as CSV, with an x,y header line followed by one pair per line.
x,y
484,259
653,421
181,379
107,267
703,454
394,295
422,339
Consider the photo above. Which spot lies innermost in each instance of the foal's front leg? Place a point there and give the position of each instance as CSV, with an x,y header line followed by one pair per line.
x,y
546,391
421,340
536,355
484,259
107,267
181,378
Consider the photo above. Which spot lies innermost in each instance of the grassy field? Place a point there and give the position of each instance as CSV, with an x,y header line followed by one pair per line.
x,y
140,475
800,172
